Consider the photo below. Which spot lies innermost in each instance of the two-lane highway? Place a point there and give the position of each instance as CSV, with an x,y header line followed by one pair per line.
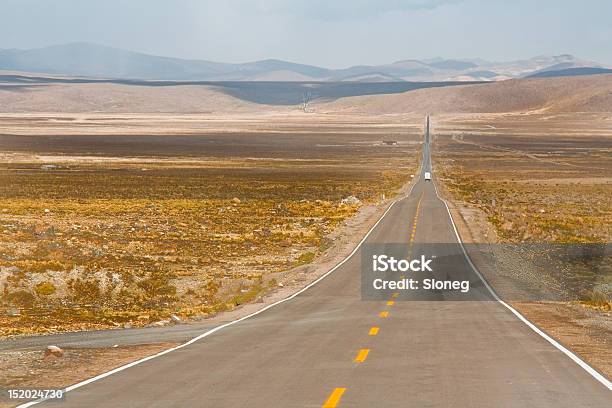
x,y
329,347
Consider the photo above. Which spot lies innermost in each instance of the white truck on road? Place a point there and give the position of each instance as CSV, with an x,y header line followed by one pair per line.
x,y
427,176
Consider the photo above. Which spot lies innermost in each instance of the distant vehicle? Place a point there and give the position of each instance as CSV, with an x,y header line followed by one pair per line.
x,y
427,176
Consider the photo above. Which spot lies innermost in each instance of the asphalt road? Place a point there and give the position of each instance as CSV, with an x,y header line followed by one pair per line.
x,y
329,347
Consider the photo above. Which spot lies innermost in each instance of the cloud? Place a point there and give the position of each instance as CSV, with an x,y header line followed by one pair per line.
x,y
329,10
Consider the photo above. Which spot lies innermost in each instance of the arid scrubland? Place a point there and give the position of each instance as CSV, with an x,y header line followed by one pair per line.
x,y
129,230
537,178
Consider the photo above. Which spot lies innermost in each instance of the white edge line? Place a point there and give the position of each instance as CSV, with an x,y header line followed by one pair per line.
x,y
585,366
216,329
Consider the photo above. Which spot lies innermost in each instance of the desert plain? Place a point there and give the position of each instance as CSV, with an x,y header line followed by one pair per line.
x,y
138,211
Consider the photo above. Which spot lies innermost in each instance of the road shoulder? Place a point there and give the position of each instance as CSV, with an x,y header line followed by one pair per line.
x,y
586,332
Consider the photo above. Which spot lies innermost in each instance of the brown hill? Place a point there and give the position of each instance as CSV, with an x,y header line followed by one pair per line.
x,y
117,98
568,94
564,94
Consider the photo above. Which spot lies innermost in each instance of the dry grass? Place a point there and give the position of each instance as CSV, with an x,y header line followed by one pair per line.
x,y
131,240
537,179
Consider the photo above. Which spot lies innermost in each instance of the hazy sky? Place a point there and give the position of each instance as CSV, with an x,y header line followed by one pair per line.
x,y
332,33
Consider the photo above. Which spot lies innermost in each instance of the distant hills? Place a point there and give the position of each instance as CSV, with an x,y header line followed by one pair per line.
x,y
97,61
562,94
571,72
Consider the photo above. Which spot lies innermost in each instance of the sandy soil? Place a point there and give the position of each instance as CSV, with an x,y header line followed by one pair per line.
x,y
269,121
24,369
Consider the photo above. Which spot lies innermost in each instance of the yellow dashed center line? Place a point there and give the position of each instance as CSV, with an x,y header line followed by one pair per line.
x,y
362,355
334,398
415,221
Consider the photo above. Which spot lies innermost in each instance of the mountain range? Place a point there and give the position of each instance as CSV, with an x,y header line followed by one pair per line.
x,y
97,61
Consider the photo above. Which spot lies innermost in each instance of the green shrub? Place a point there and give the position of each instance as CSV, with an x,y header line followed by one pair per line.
x,y
85,291
44,289
157,286
306,258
